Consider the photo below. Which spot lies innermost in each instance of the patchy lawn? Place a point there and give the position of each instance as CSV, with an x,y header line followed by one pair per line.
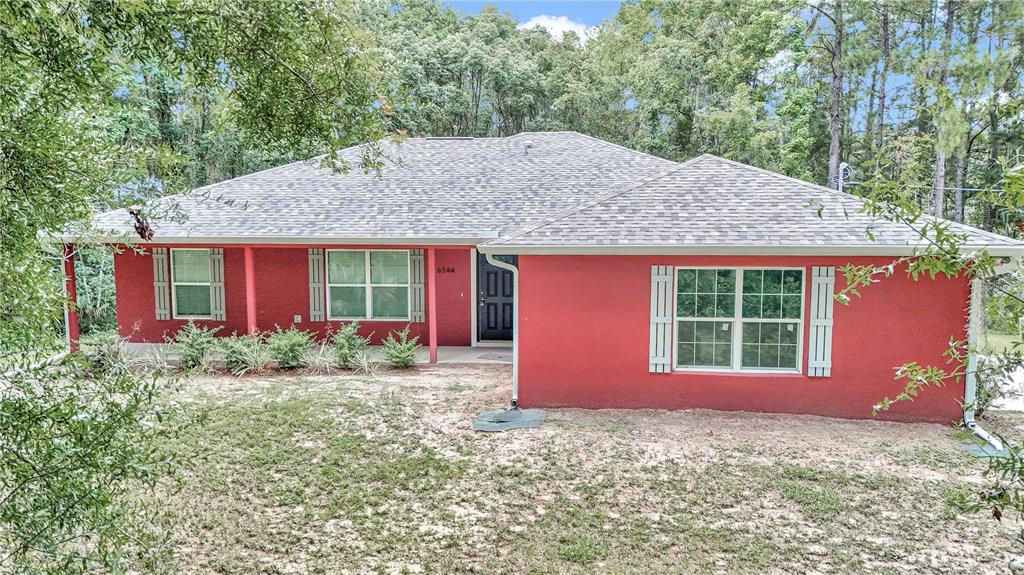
x,y
347,473
999,342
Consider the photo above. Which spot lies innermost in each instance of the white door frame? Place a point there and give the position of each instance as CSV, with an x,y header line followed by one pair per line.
x,y
474,304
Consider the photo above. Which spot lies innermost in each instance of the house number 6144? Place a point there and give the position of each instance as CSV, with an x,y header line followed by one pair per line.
x,y
445,269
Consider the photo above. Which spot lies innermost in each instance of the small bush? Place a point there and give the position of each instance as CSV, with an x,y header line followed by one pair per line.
x,y
288,347
349,345
363,366
399,350
193,344
156,361
320,359
108,352
246,354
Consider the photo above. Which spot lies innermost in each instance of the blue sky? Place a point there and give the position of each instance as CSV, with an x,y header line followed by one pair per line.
x,y
552,15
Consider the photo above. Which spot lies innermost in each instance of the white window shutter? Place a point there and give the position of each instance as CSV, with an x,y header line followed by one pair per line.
x,y
217,306
819,354
161,284
661,319
416,305
317,296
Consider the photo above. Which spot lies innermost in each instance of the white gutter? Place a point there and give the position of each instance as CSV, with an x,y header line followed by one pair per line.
x,y
515,324
970,374
733,250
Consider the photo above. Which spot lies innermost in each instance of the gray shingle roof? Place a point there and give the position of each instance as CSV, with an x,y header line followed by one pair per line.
x,y
440,189
568,192
713,205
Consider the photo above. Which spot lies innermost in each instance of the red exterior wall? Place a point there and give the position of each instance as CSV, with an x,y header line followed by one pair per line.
x,y
584,339
136,312
454,297
282,292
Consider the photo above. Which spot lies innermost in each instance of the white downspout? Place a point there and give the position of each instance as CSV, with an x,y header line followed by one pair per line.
x,y
970,378
515,324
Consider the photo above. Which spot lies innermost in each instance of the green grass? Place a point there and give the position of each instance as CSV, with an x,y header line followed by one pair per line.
x,y
292,478
819,502
999,342
582,550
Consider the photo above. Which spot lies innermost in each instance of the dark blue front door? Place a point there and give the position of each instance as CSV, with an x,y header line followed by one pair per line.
x,y
495,300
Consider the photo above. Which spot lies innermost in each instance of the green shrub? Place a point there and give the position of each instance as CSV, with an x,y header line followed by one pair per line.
x,y
287,347
364,366
320,359
192,344
108,352
399,350
245,354
349,345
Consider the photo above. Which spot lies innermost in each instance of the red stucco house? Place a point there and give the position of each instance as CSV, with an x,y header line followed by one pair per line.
x,y
626,280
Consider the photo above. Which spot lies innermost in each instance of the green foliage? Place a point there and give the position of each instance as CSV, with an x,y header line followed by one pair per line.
x,y
193,345
399,350
79,122
1004,495
246,354
104,105
1003,310
363,365
94,273
349,346
287,348
320,359
942,252
108,352
997,378
77,464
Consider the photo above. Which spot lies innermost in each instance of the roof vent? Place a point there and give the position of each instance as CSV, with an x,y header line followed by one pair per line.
x,y
526,147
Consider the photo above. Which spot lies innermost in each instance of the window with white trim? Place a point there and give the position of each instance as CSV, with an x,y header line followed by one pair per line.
x,y
368,284
190,283
738,318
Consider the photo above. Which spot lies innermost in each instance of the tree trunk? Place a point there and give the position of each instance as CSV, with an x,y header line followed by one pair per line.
x,y
835,105
987,211
870,120
958,186
939,186
884,76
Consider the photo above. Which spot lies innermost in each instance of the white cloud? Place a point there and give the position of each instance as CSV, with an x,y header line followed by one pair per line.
x,y
557,26
777,64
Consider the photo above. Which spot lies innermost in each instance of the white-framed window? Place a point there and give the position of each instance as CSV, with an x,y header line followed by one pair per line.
x,y
190,283
739,319
368,284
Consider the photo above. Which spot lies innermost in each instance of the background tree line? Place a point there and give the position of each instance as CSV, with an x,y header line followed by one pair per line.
x,y
795,87
791,86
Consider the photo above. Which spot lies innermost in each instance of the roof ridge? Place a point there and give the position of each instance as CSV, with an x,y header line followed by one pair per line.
x,y
594,138
307,161
523,230
621,147
244,176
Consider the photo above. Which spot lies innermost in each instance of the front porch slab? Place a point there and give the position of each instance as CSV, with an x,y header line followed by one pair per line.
x,y
445,354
